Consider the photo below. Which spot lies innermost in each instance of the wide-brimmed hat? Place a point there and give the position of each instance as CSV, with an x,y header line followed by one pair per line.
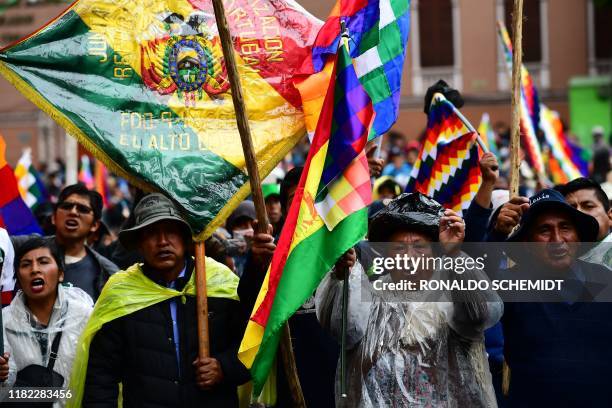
x,y
151,209
412,211
550,200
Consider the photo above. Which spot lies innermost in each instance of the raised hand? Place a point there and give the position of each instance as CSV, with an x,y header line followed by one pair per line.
x,y
451,232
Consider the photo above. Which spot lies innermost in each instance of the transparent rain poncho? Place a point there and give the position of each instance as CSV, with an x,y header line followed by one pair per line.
x,y
414,353
600,253
28,342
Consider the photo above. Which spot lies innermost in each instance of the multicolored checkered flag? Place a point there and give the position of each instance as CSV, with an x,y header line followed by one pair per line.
x,y
345,181
327,216
379,33
31,187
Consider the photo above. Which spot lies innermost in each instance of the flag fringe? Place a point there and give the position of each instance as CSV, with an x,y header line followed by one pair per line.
x,y
39,100
244,192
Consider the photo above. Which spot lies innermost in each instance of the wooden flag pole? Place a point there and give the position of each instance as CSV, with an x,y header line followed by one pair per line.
x,y
466,122
286,350
241,116
251,164
343,365
515,128
202,300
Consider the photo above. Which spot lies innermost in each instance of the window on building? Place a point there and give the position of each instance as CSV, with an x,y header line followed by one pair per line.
x,y
603,32
532,35
436,33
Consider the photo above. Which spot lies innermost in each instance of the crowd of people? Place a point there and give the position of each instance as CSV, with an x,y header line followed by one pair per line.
x,y
131,336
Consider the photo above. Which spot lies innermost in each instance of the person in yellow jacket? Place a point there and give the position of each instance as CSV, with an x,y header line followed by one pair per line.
x,y
143,331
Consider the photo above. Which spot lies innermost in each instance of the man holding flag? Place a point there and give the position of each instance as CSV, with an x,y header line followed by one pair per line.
x,y
143,332
311,233
328,212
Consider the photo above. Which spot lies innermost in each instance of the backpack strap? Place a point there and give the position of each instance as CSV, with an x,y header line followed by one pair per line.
x,y
54,348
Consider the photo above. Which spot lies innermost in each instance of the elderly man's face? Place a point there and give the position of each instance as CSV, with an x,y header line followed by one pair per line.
x,y
587,202
557,237
163,246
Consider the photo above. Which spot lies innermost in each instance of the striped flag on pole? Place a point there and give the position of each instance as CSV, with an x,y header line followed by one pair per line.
x,y
530,107
85,175
447,169
486,131
563,169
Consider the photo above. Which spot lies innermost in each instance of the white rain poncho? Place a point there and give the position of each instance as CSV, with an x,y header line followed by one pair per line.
x,y
28,342
409,354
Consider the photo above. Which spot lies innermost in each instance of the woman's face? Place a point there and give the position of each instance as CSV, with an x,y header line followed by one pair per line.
x,y
39,274
410,244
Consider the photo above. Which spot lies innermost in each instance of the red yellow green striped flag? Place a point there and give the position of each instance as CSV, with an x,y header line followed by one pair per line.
x,y
310,243
142,85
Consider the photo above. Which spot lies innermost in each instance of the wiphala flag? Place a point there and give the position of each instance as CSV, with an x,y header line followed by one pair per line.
x,y
447,169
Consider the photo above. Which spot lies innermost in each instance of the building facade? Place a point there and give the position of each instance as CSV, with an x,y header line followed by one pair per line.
x,y
455,40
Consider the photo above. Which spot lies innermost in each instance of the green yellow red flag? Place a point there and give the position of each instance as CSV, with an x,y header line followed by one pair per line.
x,y
142,85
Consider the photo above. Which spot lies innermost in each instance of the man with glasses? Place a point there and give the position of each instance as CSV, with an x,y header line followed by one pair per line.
x,y
76,215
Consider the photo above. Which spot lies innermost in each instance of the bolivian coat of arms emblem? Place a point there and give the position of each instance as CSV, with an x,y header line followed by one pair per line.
x,y
183,55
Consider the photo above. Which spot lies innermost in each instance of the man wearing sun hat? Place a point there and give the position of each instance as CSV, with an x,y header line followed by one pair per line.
x,y
558,351
143,331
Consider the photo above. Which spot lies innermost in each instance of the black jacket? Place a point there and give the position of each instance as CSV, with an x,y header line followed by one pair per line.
x,y
138,351
316,352
559,353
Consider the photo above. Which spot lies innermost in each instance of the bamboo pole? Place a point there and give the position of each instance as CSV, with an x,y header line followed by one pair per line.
x,y
249,155
517,64
202,300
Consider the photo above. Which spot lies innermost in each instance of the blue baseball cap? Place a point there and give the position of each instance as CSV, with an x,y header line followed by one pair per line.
x,y
547,200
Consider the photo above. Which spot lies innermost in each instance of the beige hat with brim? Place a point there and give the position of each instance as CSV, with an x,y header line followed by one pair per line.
x,y
151,209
